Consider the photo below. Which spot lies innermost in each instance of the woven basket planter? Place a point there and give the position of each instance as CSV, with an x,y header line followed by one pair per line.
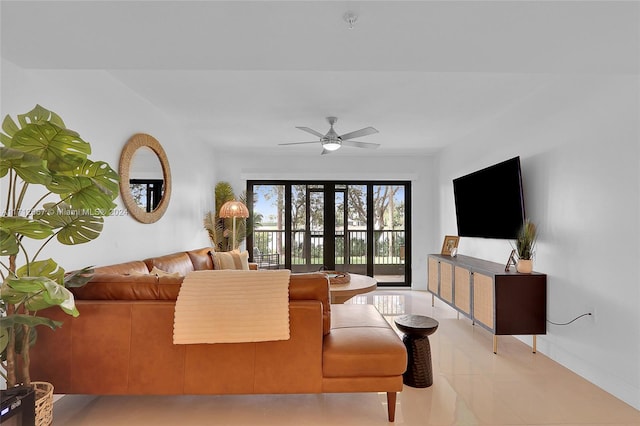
x,y
44,403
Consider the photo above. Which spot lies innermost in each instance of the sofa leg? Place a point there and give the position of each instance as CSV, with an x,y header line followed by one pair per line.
x,y
391,405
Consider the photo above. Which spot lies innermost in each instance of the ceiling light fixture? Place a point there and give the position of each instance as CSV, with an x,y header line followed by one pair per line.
x,y
332,145
331,141
350,18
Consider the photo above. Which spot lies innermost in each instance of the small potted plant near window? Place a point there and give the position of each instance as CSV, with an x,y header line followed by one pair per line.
x,y
52,192
525,247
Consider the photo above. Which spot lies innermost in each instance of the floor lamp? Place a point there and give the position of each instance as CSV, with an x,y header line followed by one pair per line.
x,y
234,209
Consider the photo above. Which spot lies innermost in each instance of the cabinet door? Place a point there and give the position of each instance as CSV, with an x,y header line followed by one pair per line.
x,y
446,281
462,289
432,284
483,307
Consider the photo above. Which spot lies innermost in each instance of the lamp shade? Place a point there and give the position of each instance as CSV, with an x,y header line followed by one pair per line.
x,y
234,209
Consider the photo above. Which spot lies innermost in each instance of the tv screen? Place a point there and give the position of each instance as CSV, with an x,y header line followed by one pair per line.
x,y
489,202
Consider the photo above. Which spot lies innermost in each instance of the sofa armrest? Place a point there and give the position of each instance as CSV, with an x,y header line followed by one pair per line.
x,y
313,286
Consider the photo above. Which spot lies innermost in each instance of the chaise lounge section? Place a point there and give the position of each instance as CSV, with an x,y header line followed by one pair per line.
x,y
121,344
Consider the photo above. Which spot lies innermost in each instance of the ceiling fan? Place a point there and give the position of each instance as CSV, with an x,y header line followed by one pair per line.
x,y
332,141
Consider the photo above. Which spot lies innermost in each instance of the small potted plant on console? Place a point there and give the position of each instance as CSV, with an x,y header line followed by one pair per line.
x,y
525,247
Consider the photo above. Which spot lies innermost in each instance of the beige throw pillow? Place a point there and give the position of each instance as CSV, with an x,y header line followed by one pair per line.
x,y
231,260
160,273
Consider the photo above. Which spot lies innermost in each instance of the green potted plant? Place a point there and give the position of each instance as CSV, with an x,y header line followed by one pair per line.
x,y
220,230
51,190
525,247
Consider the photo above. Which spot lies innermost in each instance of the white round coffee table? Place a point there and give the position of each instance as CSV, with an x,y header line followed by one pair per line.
x,y
358,284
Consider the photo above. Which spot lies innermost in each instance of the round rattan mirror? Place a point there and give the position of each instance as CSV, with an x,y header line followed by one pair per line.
x,y
145,178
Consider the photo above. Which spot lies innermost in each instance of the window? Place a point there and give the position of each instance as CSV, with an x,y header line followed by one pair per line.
x,y
147,193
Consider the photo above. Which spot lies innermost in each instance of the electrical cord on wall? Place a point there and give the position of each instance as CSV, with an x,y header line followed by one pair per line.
x,y
567,323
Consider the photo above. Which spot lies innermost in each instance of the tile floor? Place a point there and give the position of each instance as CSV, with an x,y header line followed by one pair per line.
x,y
472,386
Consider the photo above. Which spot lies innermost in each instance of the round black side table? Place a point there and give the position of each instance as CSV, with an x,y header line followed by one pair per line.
x,y
417,329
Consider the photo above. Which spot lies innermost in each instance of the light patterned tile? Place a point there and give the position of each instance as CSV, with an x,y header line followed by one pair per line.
x,y
472,386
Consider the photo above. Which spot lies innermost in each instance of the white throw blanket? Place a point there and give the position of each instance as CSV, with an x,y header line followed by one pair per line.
x,y
230,306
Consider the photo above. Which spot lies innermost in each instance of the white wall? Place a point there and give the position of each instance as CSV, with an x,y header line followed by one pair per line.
x,y
236,168
578,140
106,114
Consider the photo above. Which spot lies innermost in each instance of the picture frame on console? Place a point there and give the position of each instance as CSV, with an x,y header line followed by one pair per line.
x,y
450,245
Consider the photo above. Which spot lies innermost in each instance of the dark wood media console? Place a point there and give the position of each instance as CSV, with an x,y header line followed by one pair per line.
x,y
503,302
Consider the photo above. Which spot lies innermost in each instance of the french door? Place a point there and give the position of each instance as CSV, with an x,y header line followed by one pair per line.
x,y
357,227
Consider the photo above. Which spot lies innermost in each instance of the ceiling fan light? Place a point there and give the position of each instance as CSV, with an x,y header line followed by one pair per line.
x,y
331,146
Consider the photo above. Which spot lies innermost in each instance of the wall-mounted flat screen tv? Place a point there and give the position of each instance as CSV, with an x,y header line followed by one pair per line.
x,y
489,202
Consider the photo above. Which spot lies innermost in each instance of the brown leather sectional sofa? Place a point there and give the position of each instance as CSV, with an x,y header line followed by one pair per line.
x,y
121,344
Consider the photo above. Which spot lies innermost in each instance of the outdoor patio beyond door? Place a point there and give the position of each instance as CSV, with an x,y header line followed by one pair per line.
x,y
357,227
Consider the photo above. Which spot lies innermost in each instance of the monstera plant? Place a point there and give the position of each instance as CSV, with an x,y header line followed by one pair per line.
x,y
52,191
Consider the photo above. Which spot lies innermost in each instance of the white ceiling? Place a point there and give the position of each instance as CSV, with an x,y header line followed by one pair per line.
x,y
243,74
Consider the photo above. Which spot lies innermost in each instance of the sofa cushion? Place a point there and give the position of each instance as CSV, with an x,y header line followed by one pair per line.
x,y
231,260
136,266
201,258
129,287
118,287
361,344
145,286
160,273
177,262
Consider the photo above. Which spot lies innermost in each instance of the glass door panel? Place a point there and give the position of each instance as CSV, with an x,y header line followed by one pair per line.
x,y
307,227
316,227
359,228
268,226
389,233
298,227
339,228
356,234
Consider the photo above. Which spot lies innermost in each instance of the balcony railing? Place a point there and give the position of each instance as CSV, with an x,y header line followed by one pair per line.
x,y
350,248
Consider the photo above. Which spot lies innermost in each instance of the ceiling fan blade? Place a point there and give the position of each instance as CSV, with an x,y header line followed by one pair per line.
x,y
298,143
326,151
358,144
358,133
313,132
